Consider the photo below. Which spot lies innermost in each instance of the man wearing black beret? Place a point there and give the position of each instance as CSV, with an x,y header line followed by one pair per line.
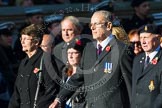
x,y
147,70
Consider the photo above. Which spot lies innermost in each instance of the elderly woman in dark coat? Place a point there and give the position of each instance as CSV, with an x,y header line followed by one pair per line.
x,y
34,87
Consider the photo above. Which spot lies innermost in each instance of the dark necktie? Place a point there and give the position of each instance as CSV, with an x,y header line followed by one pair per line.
x,y
147,60
99,50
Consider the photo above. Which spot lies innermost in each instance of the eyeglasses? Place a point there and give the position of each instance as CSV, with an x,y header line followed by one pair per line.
x,y
97,25
138,43
25,39
73,53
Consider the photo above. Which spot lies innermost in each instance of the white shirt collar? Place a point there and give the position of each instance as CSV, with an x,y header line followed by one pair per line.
x,y
105,42
152,55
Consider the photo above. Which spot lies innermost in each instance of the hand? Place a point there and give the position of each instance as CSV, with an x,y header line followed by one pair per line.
x,y
55,104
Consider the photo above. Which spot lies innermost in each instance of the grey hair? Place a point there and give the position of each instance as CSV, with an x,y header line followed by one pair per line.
x,y
106,14
75,21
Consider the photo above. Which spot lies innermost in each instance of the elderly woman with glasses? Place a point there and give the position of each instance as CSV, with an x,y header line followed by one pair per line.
x,y
34,87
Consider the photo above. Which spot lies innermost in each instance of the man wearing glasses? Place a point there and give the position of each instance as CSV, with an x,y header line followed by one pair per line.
x,y
106,75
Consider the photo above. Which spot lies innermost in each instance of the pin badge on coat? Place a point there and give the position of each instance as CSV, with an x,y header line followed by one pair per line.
x,y
151,86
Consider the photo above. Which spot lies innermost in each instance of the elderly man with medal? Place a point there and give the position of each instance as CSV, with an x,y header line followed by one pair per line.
x,y
147,71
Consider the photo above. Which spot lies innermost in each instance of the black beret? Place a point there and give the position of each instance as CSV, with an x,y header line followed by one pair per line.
x,y
6,28
136,3
149,28
77,44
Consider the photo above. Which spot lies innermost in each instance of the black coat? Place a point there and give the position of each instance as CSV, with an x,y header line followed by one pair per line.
x,y
26,84
104,89
142,95
60,52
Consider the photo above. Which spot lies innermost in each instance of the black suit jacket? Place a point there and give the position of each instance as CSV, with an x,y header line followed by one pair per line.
x,y
104,90
143,96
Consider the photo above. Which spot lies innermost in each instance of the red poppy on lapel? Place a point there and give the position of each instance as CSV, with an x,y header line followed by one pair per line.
x,y
78,42
36,70
154,61
108,48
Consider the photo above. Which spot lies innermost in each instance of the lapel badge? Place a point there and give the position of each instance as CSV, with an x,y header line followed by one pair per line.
x,y
142,59
151,86
108,67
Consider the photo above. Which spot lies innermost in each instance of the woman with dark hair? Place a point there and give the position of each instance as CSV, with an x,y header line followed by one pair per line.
x,y
34,86
74,53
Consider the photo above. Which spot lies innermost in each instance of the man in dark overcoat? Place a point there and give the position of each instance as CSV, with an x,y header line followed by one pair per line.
x,y
147,70
105,72
70,27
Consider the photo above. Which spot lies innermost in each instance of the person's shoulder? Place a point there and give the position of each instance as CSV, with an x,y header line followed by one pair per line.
x,y
91,43
86,37
139,56
126,48
121,43
57,49
134,17
58,46
23,60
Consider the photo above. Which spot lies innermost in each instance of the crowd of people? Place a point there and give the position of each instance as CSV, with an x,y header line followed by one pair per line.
x,y
54,63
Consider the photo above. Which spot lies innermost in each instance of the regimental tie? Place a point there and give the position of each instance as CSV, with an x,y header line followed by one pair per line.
x,y
147,60
99,50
